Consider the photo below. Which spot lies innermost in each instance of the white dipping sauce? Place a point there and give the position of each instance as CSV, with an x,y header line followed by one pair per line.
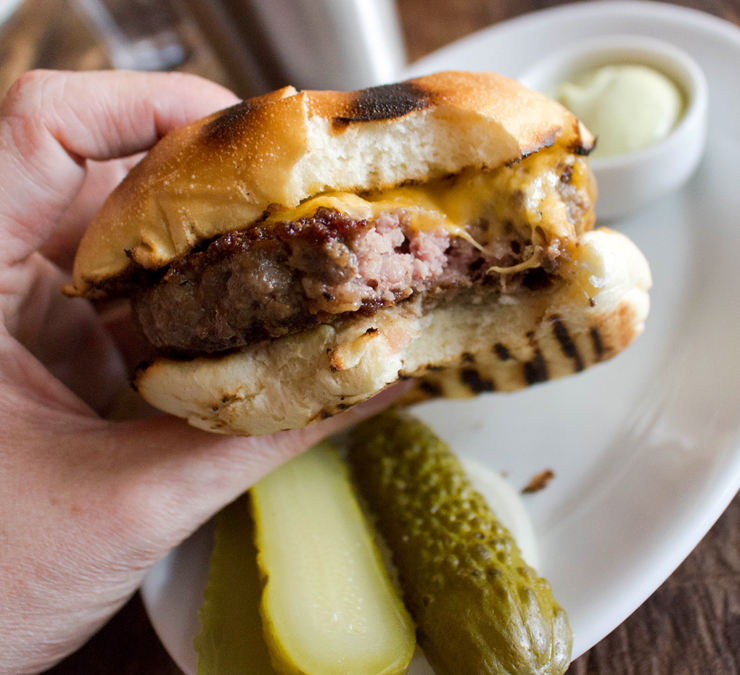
x,y
627,107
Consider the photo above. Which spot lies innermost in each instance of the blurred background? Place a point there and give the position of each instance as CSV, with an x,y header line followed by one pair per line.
x,y
252,46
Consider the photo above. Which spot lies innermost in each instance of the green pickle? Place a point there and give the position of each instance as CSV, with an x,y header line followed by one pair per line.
x,y
478,607
230,641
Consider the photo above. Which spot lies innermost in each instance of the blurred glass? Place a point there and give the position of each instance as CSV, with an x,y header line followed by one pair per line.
x,y
138,34
312,44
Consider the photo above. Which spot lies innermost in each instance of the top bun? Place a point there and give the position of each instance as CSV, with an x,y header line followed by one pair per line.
x,y
219,174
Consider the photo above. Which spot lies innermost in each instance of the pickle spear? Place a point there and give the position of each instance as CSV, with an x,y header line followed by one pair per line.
x,y
230,641
478,607
328,605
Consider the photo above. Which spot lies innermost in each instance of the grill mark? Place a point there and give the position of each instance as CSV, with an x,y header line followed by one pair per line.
x,y
501,351
598,345
472,379
383,103
431,388
535,370
467,357
228,126
584,150
566,342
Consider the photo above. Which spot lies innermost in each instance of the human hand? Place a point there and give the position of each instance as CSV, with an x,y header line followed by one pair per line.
x,y
87,506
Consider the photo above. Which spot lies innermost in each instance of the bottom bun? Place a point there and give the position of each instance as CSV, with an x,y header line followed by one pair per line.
x,y
496,343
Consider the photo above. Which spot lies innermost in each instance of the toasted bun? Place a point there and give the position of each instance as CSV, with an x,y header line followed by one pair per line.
x,y
502,344
221,173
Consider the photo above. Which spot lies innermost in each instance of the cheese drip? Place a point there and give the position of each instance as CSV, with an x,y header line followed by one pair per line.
x,y
530,197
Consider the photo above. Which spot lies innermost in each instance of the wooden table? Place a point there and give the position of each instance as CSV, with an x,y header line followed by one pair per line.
x,y
691,624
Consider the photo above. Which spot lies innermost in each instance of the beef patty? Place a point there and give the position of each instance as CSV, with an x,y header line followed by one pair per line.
x,y
296,269
266,282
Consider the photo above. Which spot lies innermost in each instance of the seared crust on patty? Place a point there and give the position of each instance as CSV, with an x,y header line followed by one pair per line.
x,y
221,173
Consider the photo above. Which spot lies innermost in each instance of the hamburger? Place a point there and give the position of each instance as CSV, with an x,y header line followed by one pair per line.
x,y
297,253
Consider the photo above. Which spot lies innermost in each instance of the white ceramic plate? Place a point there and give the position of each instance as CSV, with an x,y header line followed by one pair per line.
x,y
645,448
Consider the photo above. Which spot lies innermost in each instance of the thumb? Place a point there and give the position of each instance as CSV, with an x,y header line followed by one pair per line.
x,y
175,477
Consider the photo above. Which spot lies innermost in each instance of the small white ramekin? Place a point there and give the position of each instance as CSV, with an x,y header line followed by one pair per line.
x,y
628,182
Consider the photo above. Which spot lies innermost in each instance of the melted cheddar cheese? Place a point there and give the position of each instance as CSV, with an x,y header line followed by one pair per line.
x,y
547,197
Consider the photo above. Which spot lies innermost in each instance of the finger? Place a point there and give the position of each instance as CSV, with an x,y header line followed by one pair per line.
x,y
130,342
51,122
64,334
100,180
188,475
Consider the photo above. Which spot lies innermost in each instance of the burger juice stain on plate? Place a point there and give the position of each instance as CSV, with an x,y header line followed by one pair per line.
x,y
645,448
